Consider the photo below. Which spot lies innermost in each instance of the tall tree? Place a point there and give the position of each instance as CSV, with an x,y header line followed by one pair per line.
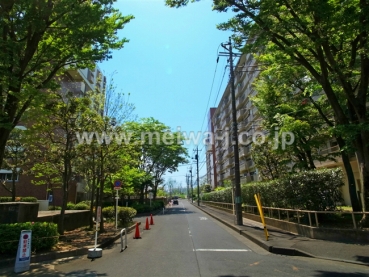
x,y
40,39
330,40
56,128
271,163
15,158
160,150
291,92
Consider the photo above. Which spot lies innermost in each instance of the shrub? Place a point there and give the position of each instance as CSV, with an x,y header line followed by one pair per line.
x,y
126,214
81,206
28,199
108,212
44,236
144,208
18,199
87,202
311,190
70,206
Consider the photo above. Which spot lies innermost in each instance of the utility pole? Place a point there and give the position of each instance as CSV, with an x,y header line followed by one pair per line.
x,y
198,180
187,182
238,201
191,186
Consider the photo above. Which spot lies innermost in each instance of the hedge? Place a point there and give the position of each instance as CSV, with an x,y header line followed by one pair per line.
x,y
145,208
44,236
125,214
311,190
18,199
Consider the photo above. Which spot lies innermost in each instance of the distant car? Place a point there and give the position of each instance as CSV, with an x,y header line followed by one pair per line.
x,y
175,202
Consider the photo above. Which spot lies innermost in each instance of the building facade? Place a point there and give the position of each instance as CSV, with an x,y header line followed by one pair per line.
x,y
247,125
78,82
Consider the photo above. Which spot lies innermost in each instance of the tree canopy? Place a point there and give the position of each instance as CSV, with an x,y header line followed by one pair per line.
x,y
40,39
329,39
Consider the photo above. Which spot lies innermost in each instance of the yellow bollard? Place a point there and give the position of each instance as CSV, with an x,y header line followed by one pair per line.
x,y
258,203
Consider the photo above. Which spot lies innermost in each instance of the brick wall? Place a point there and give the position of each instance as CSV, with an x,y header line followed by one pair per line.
x,y
24,187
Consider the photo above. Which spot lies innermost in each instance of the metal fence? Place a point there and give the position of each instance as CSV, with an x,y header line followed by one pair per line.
x,y
336,219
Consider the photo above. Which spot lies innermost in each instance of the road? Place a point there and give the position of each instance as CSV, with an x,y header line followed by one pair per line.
x,y
186,242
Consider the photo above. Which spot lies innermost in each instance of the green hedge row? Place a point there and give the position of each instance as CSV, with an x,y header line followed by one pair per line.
x,y
311,190
78,206
44,236
125,214
18,199
145,208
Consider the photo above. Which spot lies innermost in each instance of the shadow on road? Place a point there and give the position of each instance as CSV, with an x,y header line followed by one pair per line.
x,y
339,274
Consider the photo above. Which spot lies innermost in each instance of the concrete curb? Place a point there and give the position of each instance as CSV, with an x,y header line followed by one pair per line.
x,y
287,251
38,258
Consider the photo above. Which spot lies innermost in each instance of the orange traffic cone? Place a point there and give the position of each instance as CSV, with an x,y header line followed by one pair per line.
x,y
147,227
137,233
151,220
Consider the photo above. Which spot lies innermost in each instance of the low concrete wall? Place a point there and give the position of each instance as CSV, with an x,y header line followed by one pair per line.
x,y
342,235
72,219
18,212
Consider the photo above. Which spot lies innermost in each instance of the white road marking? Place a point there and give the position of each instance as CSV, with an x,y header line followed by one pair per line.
x,y
222,250
203,218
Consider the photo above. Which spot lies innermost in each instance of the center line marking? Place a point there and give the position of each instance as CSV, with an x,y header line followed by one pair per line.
x,y
223,250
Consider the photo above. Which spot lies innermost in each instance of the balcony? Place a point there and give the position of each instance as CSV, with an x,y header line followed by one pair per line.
x,y
329,150
77,88
73,73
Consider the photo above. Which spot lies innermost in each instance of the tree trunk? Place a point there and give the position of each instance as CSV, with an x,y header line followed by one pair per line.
x,y
64,207
364,222
350,176
4,136
92,202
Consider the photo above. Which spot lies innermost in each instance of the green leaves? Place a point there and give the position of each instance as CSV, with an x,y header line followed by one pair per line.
x,y
40,39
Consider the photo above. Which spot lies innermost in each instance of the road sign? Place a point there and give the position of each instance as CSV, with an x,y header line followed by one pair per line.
x,y
23,259
117,185
151,195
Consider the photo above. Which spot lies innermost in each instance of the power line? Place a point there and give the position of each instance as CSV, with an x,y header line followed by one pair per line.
x,y
211,89
220,86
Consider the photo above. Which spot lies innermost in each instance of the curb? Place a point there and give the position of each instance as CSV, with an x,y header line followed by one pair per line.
x,y
38,258
276,249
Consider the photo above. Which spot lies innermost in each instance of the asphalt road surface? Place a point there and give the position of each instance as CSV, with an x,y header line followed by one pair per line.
x,y
186,242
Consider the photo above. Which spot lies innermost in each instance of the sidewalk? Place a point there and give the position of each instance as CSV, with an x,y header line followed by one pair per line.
x,y
285,243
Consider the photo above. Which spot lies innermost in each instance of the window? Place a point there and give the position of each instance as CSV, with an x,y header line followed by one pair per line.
x,y
7,176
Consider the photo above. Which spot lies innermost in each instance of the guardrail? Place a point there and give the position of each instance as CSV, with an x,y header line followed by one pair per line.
x,y
291,215
123,246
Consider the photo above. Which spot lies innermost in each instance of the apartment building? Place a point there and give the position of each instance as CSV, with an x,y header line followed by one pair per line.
x,y
247,125
211,169
78,82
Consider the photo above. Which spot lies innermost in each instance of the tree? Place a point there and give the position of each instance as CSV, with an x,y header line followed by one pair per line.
x,y
290,92
55,134
15,157
330,40
271,163
41,39
159,150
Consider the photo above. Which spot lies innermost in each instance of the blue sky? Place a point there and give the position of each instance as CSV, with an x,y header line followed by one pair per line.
x,y
169,65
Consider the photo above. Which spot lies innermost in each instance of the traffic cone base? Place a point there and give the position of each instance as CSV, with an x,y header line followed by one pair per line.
x,y
147,227
137,233
151,220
